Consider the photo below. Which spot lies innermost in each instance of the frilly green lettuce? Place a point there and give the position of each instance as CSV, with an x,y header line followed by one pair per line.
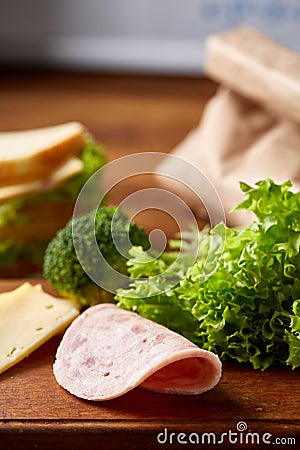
x,y
249,308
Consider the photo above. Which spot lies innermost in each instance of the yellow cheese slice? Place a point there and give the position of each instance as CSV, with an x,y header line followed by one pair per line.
x,y
28,318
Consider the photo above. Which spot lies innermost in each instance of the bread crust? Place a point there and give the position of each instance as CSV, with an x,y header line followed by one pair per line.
x,y
44,161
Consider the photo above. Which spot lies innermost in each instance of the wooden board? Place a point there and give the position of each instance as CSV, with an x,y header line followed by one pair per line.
x,y
35,409
128,114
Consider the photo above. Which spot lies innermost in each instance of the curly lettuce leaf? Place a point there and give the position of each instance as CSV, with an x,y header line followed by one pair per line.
x,y
12,251
248,309
293,338
9,213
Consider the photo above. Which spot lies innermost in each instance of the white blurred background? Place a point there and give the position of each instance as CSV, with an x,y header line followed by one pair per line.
x,y
156,36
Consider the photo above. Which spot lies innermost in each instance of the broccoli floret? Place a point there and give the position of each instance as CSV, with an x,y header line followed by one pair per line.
x,y
62,267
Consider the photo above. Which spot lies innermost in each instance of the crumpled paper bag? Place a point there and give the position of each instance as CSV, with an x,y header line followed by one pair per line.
x,y
238,139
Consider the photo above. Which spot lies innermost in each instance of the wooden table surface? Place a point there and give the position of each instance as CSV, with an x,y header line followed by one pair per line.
x,y
130,114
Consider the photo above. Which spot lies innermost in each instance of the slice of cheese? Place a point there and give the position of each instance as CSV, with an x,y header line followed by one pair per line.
x,y
68,169
28,318
32,154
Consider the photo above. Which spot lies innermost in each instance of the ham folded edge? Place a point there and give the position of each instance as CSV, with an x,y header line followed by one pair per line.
x,y
108,351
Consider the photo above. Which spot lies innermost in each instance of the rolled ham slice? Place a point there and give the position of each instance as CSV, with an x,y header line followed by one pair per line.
x,y
108,351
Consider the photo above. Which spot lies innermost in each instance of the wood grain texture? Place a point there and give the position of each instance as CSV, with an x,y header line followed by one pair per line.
x,y
242,394
127,114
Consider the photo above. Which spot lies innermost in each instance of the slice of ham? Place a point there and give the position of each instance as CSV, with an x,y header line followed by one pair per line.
x,y
108,351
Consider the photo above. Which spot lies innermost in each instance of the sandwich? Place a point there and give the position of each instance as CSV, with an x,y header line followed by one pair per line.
x,y
41,174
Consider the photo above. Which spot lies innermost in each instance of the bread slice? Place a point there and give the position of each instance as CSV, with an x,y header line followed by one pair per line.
x,y
34,154
68,169
256,67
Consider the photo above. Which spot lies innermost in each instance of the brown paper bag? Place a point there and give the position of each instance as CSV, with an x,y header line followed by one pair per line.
x,y
239,139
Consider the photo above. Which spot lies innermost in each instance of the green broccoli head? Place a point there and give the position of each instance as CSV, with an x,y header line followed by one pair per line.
x,y
62,267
